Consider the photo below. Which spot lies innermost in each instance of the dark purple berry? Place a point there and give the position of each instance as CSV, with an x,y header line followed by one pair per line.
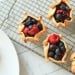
x,y
61,44
28,21
67,8
39,26
52,47
51,54
34,21
58,57
63,49
58,17
58,52
63,6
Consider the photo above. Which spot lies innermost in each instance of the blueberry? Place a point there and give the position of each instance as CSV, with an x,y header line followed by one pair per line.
x,y
58,57
39,25
63,49
61,43
57,51
67,8
52,47
63,6
51,54
58,17
34,21
28,21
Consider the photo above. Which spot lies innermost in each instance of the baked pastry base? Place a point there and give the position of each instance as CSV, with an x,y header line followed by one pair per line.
x,y
36,38
46,47
72,59
53,9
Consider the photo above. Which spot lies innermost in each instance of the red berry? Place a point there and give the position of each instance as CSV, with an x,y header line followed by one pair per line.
x,y
25,30
34,30
54,38
59,11
67,14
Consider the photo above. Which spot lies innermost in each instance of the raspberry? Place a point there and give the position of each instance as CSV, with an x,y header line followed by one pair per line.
x,y
67,14
59,11
25,30
54,38
34,30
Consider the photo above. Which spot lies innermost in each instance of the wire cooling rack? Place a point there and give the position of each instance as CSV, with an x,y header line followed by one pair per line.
x,y
12,11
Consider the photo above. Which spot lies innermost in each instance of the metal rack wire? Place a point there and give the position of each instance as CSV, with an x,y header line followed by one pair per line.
x,y
11,12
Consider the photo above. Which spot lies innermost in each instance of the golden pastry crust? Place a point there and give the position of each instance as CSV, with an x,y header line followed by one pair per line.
x,y
53,9
46,47
37,36
72,59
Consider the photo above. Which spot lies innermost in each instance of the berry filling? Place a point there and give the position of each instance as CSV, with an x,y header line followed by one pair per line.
x,y
54,38
56,48
32,26
62,12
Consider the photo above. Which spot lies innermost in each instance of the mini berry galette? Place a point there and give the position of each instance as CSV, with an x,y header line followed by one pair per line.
x,y
55,48
31,28
61,13
72,59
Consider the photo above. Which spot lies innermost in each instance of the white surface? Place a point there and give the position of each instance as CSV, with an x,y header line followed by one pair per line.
x,y
8,58
32,64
